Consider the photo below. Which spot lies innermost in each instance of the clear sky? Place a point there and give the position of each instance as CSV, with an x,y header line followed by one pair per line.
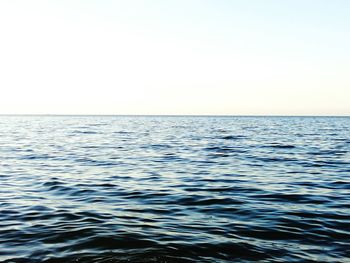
x,y
234,57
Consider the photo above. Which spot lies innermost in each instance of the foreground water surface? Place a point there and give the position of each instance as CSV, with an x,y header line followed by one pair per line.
x,y
174,189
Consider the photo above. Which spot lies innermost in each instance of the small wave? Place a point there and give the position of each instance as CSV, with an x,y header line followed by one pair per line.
x,y
329,152
195,201
280,146
298,198
84,132
92,162
232,137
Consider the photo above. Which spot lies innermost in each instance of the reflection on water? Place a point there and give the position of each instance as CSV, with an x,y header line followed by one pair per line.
x,y
174,189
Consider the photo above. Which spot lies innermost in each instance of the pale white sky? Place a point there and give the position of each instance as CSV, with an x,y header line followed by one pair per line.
x,y
288,57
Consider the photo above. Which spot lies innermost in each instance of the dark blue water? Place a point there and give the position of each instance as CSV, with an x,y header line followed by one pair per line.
x,y
174,189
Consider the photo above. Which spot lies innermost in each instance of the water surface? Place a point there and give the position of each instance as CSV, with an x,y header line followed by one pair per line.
x,y
174,189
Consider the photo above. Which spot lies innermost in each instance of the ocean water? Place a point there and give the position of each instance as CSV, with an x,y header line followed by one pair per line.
x,y
174,189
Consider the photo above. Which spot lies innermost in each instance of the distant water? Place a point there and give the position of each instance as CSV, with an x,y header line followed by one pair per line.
x,y
174,189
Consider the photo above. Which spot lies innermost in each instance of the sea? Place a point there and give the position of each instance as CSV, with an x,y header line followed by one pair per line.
x,y
174,189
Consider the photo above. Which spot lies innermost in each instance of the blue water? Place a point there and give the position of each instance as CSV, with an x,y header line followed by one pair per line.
x,y
174,189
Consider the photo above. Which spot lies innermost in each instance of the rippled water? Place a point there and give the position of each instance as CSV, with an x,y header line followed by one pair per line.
x,y
174,189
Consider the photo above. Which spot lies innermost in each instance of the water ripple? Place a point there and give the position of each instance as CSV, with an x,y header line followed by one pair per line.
x,y
174,189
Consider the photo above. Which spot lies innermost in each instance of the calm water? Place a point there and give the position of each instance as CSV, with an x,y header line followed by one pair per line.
x,y
174,189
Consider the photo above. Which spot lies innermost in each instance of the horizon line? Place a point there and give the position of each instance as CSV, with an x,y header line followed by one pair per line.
x,y
165,115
